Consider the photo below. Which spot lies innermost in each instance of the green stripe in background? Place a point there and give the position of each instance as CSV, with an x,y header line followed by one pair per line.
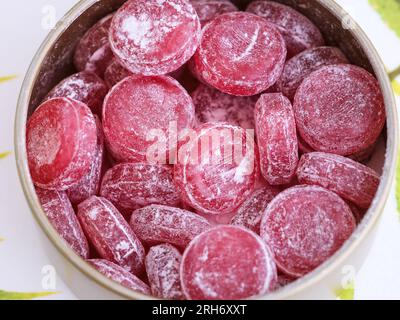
x,y
7,78
389,11
5,295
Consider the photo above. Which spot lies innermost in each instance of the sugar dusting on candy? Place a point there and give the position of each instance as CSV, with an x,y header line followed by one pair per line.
x,y
227,263
351,180
120,275
208,10
115,73
163,267
110,234
339,109
277,138
154,37
61,143
132,186
162,224
100,60
304,226
61,215
299,32
240,54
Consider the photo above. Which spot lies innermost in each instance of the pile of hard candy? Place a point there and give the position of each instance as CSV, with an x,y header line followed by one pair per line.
x,y
202,152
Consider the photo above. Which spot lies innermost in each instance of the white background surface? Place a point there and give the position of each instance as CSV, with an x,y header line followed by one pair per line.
x,y
23,26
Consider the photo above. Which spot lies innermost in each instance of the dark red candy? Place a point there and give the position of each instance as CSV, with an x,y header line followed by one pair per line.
x,y
100,60
161,224
153,37
299,32
132,186
208,10
303,64
227,263
304,226
163,271
339,109
128,128
61,215
351,180
250,213
110,234
61,143
277,138
240,54
115,73
120,275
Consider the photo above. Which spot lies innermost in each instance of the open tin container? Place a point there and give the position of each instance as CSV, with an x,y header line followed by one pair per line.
x,y
53,62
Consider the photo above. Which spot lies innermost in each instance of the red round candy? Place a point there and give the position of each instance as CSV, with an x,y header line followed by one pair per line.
x,y
152,37
339,109
61,142
217,169
162,266
299,32
161,224
100,60
277,138
130,186
301,66
240,54
89,185
110,234
115,73
351,180
227,263
304,226
208,10
61,215
214,106
250,213
120,275
136,107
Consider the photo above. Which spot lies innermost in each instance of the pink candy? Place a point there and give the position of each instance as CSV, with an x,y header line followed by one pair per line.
x,y
227,263
208,10
115,73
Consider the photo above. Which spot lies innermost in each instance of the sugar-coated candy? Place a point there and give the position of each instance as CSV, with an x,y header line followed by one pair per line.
x,y
153,37
61,143
61,215
120,275
162,224
163,271
208,10
277,138
115,73
214,106
217,169
304,226
138,107
303,64
130,186
348,178
227,263
110,234
299,32
339,109
240,54
250,213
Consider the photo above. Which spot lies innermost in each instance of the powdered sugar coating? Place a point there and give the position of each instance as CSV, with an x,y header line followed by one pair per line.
x,y
137,106
303,64
227,263
299,32
154,37
339,109
250,213
120,275
304,226
163,267
214,106
61,142
110,234
161,224
115,73
240,54
277,138
350,179
216,178
132,186
100,60
207,10
89,185
61,215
